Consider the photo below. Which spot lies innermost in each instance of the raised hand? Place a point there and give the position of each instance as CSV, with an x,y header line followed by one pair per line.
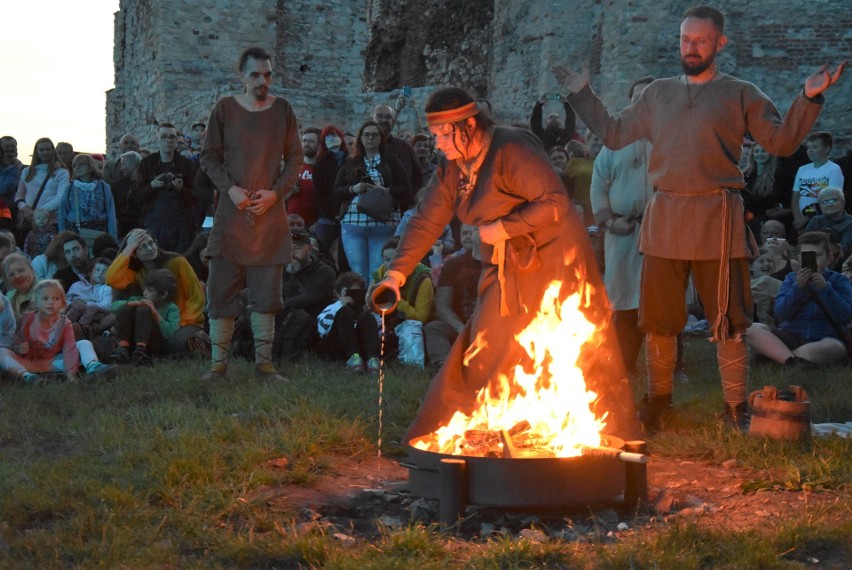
x,y
570,79
822,79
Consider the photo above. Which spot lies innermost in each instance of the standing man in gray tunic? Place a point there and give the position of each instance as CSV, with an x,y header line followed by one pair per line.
x,y
248,137
619,192
695,223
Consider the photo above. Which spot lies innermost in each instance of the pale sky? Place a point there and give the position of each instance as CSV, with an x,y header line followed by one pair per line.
x,y
56,70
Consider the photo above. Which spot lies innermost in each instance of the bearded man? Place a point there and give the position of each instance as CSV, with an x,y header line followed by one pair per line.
x,y
694,223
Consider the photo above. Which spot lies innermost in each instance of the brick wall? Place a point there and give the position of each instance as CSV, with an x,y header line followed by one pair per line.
x,y
335,59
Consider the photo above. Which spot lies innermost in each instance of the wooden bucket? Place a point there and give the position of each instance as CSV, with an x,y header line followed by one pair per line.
x,y
780,414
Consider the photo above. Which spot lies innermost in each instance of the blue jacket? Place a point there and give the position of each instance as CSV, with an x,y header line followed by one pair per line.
x,y
9,177
797,312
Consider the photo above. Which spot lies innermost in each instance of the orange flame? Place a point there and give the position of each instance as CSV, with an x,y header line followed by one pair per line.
x,y
553,398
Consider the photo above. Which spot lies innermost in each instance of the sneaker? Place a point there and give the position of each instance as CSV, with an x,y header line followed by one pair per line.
x,y
120,355
100,369
355,363
373,364
32,379
140,357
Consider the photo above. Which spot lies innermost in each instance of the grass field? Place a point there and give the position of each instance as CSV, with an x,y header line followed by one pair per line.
x,y
149,471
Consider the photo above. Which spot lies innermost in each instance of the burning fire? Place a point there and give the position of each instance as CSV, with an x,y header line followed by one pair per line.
x,y
551,405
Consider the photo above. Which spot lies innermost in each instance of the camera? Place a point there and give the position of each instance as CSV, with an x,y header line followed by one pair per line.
x,y
168,180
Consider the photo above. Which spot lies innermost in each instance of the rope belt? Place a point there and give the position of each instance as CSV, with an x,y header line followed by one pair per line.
x,y
498,258
721,326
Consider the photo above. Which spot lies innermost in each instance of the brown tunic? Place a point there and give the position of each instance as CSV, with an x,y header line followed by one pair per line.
x,y
547,241
697,135
246,148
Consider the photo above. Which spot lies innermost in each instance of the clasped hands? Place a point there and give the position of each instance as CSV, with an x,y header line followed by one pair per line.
x,y
256,202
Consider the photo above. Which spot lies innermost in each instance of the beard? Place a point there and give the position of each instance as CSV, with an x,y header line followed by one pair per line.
x,y
693,69
261,92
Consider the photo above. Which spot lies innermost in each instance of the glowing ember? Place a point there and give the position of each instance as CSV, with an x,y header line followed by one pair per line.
x,y
551,404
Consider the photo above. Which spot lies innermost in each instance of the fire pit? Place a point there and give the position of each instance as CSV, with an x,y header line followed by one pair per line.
x,y
535,437
614,474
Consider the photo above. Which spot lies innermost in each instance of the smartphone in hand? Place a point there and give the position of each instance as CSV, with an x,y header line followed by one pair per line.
x,y
809,260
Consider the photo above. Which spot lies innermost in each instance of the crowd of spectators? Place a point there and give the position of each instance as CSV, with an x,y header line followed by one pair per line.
x,y
126,238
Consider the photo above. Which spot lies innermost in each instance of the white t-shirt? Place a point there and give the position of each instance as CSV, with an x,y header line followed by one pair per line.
x,y
811,180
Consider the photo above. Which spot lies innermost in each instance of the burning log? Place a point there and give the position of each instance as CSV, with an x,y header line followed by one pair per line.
x,y
612,453
508,447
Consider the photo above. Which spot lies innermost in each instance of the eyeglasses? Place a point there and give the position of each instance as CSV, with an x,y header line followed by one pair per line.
x,y
829,202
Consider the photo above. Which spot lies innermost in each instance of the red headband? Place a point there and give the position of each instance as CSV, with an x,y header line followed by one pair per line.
x,y
452,115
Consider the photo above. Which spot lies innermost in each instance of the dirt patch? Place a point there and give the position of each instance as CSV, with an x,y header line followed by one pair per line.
x,y
361,495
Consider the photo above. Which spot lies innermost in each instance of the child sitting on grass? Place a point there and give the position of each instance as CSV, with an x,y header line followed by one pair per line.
x,y
812,309
146,322
89,301
44,341
347,331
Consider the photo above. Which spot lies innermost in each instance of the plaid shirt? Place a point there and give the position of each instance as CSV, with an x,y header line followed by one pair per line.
x,y
354,216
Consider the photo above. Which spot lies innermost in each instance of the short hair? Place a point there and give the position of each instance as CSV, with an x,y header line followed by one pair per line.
x,y
253,52
576,148
16,258
420,138
641,81
820,239
94,168
8,138
704,12
44,284
69,236
831,192
349,280
165,125
102,260
199,124
824,136
313,130
162,281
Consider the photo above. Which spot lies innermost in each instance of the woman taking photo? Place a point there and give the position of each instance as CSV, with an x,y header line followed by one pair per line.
x,y
41,186
500,180
373,189
138,255
87,203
